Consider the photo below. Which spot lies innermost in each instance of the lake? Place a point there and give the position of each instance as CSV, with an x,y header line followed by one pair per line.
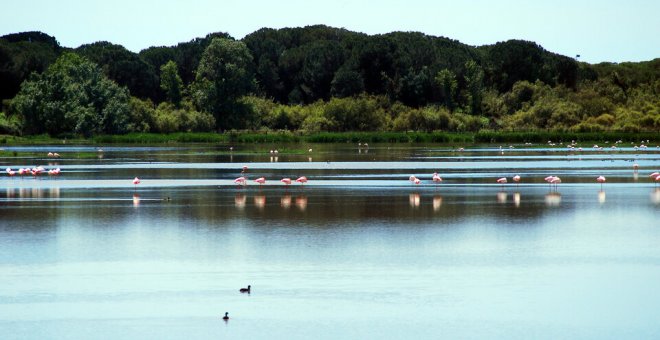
x,y
358,252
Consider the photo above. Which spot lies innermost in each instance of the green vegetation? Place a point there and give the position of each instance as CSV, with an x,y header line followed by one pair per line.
x,y
319,83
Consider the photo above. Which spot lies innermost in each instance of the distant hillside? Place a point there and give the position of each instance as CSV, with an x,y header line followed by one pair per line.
x,y
513,84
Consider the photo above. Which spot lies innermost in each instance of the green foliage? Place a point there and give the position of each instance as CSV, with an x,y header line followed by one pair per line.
x,y
20,55
124,67
445,80
73,95
171,83
168,118
223,76
9,125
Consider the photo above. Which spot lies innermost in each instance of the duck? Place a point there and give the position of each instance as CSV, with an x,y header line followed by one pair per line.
x,y
245,290
226,317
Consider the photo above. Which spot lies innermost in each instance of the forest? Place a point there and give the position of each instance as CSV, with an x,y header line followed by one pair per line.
x,y
317,79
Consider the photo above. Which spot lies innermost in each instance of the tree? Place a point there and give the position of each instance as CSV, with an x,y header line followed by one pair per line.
x,y
124,67
347,83
171,83
224,75
73,95
446,83
474,77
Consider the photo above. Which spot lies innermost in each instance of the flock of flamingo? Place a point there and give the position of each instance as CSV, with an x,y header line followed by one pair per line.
x,y
242,181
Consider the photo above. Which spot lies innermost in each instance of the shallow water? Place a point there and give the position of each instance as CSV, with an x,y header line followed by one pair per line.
x,y
358,252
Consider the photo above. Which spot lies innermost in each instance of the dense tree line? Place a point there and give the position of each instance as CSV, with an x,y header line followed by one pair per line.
x,y
317,78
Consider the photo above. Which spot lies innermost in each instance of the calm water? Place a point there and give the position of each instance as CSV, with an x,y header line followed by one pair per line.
x,y
358,252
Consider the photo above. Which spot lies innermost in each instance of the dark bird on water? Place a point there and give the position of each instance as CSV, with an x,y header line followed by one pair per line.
x,y
245,290
226,317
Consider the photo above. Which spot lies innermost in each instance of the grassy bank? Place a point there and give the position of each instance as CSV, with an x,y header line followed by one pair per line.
x,y
538,137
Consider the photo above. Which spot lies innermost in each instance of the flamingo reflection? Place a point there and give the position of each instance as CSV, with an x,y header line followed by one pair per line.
x,y
553,199
239,201
655,196
260,201
414,200
516,199
301,202
136,200
601,196
437,202
501,197
285,201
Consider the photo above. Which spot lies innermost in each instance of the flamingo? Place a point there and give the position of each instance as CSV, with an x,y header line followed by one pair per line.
x,y
302,180
555,180
436,178
50,154
54,172
260,180
417,181
412,178
635,166
502,181
286,181
516,179
10,172
601,180
245,168
136,181
240,181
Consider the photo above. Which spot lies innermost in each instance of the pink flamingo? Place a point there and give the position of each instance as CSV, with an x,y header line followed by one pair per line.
x,y
555,180
245,168
516,179
502,181
260,180
635,167
655,177
302,180
286,181
601,180
412,178
240,181
10,172
54,172
417,181
136,181
436,178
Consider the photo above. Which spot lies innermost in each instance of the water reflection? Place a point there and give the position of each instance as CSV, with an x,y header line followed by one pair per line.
x,y
601,196
54,192
635,176
260,201
414,200
501,197
552,199
240,200
437,202
136,200
655,196
301,202
516,199
285,201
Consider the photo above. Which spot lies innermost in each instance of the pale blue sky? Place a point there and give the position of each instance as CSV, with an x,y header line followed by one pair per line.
x,y
604,30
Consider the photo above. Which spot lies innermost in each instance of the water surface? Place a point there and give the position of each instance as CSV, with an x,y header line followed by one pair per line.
x,y
358,252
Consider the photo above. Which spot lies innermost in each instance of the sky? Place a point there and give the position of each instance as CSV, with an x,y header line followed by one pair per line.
x,y
605,30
